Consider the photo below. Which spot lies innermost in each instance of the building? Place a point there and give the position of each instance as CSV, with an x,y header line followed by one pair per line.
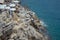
x,y
7,1
1,1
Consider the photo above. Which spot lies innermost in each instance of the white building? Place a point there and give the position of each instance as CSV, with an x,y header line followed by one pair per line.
x,y
1,1
16,1
5,1
2,6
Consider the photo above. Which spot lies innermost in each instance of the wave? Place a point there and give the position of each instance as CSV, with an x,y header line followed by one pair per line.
x,y
43,23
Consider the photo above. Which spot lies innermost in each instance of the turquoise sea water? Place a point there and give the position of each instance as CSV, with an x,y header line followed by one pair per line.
x,y
49,12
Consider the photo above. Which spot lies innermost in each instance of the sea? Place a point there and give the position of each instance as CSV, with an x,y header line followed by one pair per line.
x,y
48,11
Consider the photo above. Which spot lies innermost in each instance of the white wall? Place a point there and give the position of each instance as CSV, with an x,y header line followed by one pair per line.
x,y
1,1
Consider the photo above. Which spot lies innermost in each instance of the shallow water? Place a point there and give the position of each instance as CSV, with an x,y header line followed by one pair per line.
x,y
49,12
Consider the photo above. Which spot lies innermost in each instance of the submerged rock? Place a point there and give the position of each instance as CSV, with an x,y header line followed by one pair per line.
x,y
21,24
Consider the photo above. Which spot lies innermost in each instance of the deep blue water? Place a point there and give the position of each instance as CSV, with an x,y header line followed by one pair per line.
x,y
49,12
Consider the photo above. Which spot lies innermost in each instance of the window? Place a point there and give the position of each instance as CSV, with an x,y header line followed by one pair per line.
x,y
8,0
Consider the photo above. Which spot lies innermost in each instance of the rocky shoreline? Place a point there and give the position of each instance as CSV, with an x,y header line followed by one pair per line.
x,y
21,24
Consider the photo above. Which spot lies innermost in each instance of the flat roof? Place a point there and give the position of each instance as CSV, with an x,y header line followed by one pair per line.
x,y
2,6
12,9
16,1
12,5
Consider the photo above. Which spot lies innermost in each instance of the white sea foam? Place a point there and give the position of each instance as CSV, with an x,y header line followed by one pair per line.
x,y
43,24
